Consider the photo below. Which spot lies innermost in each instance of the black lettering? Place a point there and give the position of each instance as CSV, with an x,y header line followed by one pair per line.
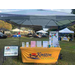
x,y
39,54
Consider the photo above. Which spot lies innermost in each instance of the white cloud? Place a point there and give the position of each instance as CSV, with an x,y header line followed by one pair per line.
x,y
60,10
0,11
9,10
56,10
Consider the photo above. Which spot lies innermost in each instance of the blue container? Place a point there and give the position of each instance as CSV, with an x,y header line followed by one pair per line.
x,y
14,35
19,35
49,46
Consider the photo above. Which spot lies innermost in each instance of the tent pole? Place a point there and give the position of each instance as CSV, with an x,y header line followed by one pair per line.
x,y
19,36
19,31
73,36
58,34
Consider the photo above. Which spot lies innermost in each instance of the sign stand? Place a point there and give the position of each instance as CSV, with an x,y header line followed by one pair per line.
x,y
11,51
53,39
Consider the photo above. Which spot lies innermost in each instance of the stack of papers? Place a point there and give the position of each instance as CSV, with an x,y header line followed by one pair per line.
x,y
39,43
33,43
23,44
45,43
27,44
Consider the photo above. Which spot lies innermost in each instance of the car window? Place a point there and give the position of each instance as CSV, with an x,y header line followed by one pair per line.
x,y
1,33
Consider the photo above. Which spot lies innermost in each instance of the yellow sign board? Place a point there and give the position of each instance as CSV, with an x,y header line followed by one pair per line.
x,y
40,55
65,39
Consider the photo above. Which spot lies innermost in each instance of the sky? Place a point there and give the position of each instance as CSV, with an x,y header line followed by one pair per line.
x,y
60,10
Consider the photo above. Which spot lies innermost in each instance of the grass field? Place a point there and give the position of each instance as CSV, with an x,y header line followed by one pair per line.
x,y
68,51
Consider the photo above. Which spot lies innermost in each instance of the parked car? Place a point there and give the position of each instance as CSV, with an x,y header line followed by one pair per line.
x,y
2,35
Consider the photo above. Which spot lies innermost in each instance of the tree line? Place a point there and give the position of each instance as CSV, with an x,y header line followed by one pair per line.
x,y
5,25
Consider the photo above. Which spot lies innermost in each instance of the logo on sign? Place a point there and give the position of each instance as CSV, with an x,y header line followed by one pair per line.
x,y
39,54
7,48
33,56
43,54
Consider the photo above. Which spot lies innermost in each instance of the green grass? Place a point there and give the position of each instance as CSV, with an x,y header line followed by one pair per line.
x,y
68,51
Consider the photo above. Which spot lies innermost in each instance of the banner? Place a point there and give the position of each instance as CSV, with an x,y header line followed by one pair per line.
x,y
40,55
65,39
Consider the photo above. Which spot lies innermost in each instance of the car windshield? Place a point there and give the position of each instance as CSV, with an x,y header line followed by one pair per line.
x,y
1,33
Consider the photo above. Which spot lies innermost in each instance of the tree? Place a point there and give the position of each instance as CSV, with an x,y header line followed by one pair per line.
x,y
72,27
14,26
5,25
73,11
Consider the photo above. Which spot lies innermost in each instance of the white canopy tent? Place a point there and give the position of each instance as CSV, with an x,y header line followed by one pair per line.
x,y
42,31
17,30
66,30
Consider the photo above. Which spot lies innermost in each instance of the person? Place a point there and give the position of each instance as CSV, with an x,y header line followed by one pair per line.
x,y
18,33
3,32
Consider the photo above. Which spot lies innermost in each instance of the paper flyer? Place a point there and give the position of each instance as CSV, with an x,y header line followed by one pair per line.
x,y
45,43
33,43
23,44
27,44
39,43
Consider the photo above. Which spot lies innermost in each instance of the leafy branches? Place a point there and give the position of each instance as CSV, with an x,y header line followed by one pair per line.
x,y
5,25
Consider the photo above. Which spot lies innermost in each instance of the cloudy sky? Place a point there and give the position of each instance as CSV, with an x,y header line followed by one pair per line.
x,y
63,10
60,10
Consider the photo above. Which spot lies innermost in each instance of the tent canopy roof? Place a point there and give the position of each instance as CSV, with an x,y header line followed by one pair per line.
x,y
33,13
40,12
66,30
41,17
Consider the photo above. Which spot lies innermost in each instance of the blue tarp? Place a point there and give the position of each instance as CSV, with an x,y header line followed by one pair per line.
x,y
16,35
